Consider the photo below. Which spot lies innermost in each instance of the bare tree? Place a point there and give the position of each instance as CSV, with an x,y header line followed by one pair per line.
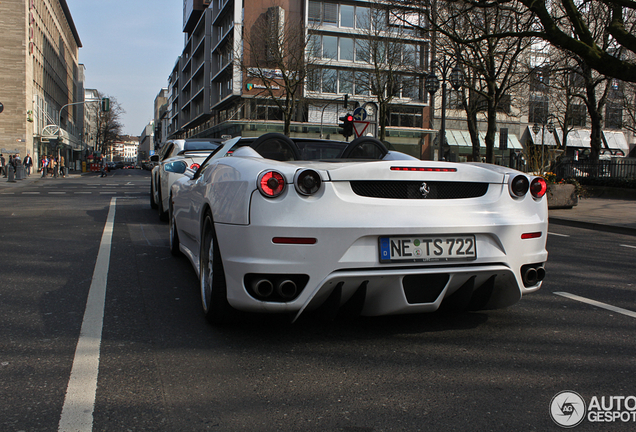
x,y
108,128
274,55
393,66
570,25
493,65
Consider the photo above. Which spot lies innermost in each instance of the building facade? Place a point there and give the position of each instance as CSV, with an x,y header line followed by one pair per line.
x,y
41,79
212,93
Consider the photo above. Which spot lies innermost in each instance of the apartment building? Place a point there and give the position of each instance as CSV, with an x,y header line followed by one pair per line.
x,y
212,93
41,76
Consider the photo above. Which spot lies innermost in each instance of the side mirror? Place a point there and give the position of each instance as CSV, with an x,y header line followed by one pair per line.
x,y
178,167
154,158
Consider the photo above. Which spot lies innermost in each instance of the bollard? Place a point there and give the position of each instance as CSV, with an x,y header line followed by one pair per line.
x,y
19,172
11,174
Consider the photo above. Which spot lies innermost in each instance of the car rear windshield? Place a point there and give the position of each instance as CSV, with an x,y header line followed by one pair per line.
x,y
200,145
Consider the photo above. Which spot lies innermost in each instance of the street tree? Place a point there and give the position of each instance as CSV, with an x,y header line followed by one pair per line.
x,y
393,66
494,66
108,124
273,55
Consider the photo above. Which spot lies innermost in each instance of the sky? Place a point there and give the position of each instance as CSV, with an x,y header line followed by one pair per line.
x,y
129,48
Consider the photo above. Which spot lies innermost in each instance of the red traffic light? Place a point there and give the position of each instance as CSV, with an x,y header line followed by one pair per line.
x,y
349,118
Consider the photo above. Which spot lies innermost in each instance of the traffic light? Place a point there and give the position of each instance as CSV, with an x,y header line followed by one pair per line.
x,y
105,104
346,127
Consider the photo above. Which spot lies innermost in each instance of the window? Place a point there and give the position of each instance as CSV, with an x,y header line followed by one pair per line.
x,y
329,80
403,116
362,51
314,11
613,116
539,79
346,16
537,109
362,83
345,82
346,49
330,47
363,17
330,17
577,115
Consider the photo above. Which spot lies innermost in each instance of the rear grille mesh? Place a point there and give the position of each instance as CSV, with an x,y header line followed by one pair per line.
x,y
416,189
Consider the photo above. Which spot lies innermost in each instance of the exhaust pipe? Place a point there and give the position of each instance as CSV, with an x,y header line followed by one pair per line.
x,y
540,273
530,276
286,288
263,287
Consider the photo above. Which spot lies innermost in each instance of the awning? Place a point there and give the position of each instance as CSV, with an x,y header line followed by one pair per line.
x,y
616,141
579,138
537,139
461,138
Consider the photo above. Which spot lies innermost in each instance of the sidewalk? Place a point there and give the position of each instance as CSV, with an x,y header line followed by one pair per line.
x,y
602,214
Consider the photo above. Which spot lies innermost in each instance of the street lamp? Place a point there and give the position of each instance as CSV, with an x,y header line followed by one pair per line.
x,y
536,128
456,78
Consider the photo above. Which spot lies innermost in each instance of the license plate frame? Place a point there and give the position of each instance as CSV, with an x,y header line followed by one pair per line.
x,y
427,248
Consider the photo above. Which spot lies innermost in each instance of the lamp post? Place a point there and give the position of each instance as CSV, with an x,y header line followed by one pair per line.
x,y
536,128
456,78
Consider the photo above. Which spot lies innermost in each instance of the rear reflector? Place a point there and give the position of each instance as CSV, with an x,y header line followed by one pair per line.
x,y
424,169
531,235
294,240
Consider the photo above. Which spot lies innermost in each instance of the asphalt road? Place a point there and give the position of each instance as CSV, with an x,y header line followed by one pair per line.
x,y
163,368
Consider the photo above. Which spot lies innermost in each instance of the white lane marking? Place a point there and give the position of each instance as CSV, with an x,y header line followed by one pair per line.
x,y
79,402
558,235
85,193
629,246
30,193
56,193
597,304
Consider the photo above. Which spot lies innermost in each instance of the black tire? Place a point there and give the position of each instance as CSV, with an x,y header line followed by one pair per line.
x,y
174,234
212,283
153,204
163,215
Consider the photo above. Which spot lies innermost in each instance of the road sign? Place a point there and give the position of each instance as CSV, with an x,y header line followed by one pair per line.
x,y
360,114
359,127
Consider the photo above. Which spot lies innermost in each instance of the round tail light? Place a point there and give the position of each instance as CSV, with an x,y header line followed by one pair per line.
x,y
271,184
308,182
519,185
538,187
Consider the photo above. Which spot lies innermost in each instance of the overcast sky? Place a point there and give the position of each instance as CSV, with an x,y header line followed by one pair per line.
x,y
129,48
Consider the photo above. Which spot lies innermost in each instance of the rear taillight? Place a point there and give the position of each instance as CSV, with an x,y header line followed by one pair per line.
x,y
519,185
538,187
271,184
195,166
307,182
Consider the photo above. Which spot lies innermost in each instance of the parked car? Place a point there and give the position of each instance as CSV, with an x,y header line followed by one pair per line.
x,y
291,225
175,157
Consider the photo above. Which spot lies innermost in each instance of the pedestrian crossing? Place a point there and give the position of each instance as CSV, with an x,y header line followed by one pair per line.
x,y
126,189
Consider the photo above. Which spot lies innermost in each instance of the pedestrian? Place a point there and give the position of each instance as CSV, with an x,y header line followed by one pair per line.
x,y
52,165
45,165
3,167
28,163
103,166
62,167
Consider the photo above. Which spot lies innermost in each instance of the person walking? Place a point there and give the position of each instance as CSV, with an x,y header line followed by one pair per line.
x,y
28,163
62,167
52,165
45,165
103,166
3,166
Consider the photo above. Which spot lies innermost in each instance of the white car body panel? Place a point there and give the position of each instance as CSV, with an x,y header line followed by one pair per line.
x,y
347,227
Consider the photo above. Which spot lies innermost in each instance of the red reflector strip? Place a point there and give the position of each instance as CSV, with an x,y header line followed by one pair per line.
x,y
424,169
531,235
294,240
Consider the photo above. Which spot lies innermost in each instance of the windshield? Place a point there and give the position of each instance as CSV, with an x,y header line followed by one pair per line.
x,y
200,145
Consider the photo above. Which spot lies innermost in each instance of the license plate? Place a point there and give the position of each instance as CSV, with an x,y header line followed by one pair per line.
x,y
428,248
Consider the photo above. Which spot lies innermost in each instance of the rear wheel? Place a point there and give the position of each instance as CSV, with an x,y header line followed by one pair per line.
x,y
216,308
174,235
